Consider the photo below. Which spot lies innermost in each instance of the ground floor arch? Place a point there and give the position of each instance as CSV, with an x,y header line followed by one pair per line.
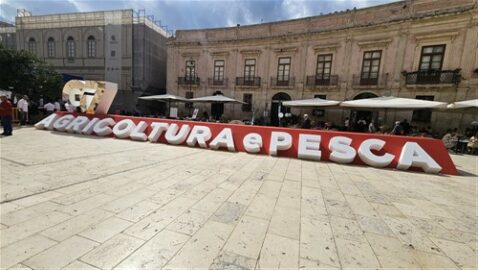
x,y
359,119
276,107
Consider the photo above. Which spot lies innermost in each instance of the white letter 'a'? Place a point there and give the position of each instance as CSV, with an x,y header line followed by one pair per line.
x,y
279,141
223,139
47,122
413,155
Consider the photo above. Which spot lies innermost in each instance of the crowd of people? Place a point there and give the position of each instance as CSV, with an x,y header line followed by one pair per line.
x,y
23,109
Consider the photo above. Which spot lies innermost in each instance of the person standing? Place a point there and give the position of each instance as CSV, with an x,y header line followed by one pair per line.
x,y
6,115
22,107
347,124
306,122
57,106
49,108
397,129
371,127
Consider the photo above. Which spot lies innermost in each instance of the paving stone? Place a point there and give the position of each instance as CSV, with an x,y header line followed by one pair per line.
x,y
189,222
247,238
204,246
30,227
156,252
279,252
105,229
356,254
62,254
392,253
76,225
138,211
229,213
112,252
231,261
23,249
158,206
317,245
460,253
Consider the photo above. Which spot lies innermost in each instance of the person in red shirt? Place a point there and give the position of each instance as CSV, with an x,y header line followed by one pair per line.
x,y
6,115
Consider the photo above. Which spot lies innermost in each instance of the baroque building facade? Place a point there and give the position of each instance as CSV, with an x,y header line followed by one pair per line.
x,y
424,49
119,46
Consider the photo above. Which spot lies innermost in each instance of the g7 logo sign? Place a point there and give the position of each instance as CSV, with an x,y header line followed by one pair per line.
x,y
92,97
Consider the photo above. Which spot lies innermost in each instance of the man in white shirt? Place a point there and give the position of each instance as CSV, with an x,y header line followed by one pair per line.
x,y
57,106
49,108
22,107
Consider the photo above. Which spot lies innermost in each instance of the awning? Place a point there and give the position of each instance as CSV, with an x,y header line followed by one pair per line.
x,y
215,99
393,103
463,104
165,97
314,102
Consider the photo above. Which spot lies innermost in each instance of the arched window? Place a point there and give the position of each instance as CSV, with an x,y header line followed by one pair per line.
x,y
70,47
32,45
50,45
91,46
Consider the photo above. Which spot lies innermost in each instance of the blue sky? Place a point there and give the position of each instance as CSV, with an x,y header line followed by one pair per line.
x,y
192,14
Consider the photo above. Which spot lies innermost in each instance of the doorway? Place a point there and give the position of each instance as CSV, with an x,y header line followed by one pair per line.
x,y
276,104
357,116
217,109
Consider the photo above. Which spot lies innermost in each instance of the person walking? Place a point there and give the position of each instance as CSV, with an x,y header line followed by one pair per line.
x,y
6,115
22,107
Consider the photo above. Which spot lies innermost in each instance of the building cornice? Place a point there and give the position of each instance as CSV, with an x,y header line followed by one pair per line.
x,y
378,43
326,47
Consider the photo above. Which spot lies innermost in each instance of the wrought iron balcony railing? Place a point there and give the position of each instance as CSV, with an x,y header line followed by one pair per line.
x,y
189,80
379,81
248,81
286,82
327,80
432,77
216,82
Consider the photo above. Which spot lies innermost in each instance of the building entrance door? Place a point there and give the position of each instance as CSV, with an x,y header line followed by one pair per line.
x,y
359,119
276,107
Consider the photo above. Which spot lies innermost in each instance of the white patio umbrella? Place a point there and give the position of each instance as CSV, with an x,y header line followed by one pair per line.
x,y
473,103
390,102
215,99
165,98
313,102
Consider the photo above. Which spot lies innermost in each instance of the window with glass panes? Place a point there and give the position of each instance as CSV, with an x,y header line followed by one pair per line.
x,y
91,46
432,57
70,47
371,66
32,45
247,106
50,45
283,69
249,69
324,66
218,70
190,70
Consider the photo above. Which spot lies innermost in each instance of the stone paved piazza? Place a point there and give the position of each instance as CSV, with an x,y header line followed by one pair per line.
x,y
82,202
